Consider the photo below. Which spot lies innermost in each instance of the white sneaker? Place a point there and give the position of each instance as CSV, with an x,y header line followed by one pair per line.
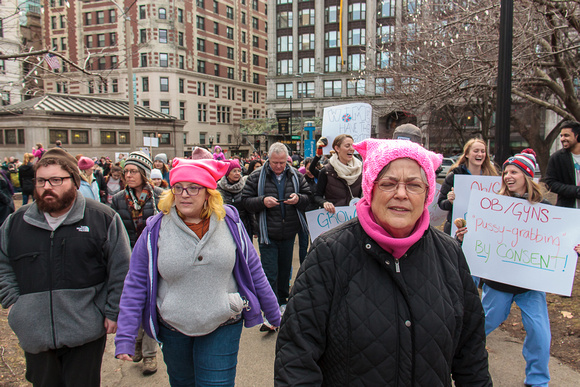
x,y
282,310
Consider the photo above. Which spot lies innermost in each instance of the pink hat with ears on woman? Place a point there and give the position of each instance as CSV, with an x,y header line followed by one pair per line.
x,y
378,153
203,172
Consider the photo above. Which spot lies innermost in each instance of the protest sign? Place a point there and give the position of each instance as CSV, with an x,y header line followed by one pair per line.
x,y
320,221
354,119
511,241
436,214
463,185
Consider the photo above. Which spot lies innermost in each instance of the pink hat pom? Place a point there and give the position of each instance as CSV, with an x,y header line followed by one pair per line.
x,y
203,172
378,153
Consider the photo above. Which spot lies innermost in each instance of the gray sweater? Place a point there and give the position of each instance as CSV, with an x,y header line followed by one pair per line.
x,y
195,276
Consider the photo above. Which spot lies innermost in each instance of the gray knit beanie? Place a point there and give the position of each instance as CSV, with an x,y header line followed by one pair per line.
x,y
140,160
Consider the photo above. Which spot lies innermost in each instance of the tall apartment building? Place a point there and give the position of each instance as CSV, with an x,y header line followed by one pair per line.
x,y
203,62
323,57
19,32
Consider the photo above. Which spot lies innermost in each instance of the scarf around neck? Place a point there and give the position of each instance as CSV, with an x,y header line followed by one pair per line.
x,y
136,205
349,172
397,247
225,184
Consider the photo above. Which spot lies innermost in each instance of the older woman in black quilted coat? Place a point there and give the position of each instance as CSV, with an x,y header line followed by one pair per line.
x,y
384,299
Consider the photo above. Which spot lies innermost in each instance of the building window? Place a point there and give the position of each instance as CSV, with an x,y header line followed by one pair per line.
x,y
284,43
305,65
306,42
332,64
284,67
306,17
201,66
256,41
101,40
256,97
383,60
163,60
53,22
201,45
202,112
243,95
114,61
284,90
115,85
355,87
256,78
146,104
180,39
88,18
357,11
383,85
331,39
216,91
145,83
284,19
112,16
230,53
305,89
143,60
230,33
108,137
201,88
331,14
230,72
255,5
63,22
244,113
200,22
164,105
100,17
200,3
255,60
112,38
181,84
356,62
124,138
182,111
332,88
162,36
162,13
202,138
62,44
164,138
255,23
243,18
102,63
164,84
180,15
142,11
223,114
244,37
356,37
230,12
386,8
58,135
216,70
142,35
385,34
181,63
80,136
216,28
89,41
215,7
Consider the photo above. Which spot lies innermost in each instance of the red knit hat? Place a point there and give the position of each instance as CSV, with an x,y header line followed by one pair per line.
x,y
203,172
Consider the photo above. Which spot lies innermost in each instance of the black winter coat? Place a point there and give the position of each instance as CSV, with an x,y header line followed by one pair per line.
x,y
281,225
561,178
442,201
331,188
232,194
353,320
26,177
120,205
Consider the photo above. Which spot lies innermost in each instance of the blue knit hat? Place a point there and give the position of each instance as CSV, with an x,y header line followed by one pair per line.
x,y
526,161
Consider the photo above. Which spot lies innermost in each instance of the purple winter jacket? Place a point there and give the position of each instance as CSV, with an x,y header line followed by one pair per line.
x,y
138,304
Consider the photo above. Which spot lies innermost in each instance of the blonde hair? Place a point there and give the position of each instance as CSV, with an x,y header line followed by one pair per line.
x,y
534,190
487,167
215,204
28,157
88,177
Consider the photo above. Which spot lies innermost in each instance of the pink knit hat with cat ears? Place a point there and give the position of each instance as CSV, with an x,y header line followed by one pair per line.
x,y
378,153
203,172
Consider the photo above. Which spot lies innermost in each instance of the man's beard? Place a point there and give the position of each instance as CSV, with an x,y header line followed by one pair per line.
x,y
64,202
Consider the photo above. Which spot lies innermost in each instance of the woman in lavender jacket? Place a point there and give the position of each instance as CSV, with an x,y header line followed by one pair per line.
x,y
194,277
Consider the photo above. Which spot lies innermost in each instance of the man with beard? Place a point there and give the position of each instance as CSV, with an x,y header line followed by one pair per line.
x,y
563,173
63,261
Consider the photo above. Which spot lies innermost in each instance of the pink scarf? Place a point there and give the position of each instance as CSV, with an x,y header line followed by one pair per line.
x,y
395,246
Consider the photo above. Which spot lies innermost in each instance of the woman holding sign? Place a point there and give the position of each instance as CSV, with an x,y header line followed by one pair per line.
x,y
474,161
340,180
385,299
497,298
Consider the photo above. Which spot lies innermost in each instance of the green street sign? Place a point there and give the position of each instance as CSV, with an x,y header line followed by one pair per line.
x,y
295,137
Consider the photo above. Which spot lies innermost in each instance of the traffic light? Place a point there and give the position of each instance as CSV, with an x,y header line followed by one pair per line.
x,y
257,144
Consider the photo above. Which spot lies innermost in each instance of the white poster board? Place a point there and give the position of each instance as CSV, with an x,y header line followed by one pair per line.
x,y
353,118
151,142
463,185
320,221
514,242
436,215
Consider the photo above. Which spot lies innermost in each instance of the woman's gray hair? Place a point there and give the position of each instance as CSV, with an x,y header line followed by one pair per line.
x,y
423,175
278,148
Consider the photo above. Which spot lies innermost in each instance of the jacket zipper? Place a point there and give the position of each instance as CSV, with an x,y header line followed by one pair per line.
x,y
50,288
397,267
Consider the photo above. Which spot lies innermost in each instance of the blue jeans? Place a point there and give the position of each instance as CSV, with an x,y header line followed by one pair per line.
x,y
208,360
303,240
25,199
277,264
536,351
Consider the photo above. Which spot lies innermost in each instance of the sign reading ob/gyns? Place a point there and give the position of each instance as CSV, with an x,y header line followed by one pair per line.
x,y
354,119
512,241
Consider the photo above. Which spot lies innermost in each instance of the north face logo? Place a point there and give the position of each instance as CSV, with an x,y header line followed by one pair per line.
x,y
83,228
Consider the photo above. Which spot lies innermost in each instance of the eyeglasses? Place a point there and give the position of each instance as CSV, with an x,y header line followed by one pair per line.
x,y
53,181
131,172
192,190
412,187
